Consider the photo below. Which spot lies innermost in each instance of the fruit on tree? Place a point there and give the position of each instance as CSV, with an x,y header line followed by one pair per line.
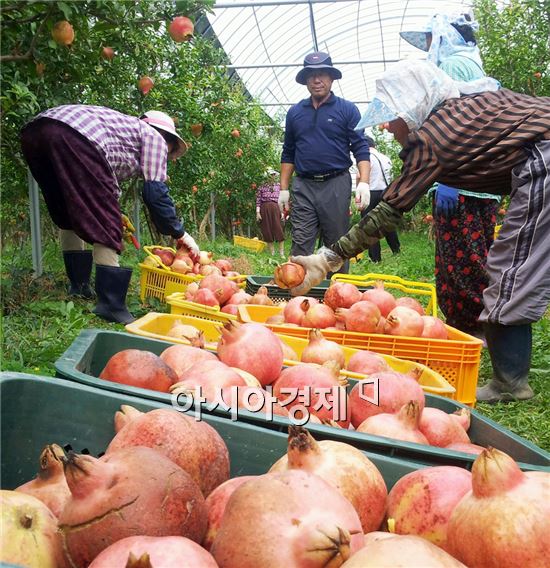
x,y
235,133
181,29
145,84
63,33
107,53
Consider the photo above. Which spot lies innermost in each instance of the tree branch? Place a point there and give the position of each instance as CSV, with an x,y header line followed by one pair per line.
x,y
30,51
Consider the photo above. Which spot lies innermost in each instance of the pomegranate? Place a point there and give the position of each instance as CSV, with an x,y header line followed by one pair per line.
x,y
181,29
319,316
108,53
145,84
320,350
363,317
289,275
240,297
216,503
253,348
232,309
441,429
342,466
301,529
465,447
383,550
261,298
128,491
206,297
211,377
165,551
381,298
182,265
166,256
209,270
125,415
183,357
139,369
411,303
297,307
49,485
434,328
63,33
192,445
308,386
277,319
225,266
404,321
381,327
29,534
504,521
342,295
205,258
191,290
392,390
421,502
189,333
463,417
222,287
400,426
367,362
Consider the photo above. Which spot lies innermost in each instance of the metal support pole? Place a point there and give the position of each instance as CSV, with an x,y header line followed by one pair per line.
x,y
213,218
36,237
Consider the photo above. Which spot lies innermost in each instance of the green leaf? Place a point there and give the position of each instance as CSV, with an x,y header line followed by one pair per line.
x,y
66,9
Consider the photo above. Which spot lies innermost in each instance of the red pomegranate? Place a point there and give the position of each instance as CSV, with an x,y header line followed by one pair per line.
x,y
434,328
441,429
289,275
382,298
181,29
133,490
366,363
319,316
193,445
320,350
183,357
296,309
301,530
342,466
411,303
362,317
342,295
404,321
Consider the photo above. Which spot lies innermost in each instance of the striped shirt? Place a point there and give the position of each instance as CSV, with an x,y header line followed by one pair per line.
x,y
130,146
266,193
472,142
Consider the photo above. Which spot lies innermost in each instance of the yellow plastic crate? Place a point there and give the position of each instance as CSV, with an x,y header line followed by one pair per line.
x,y
156,326
252,244
179,305
456,359
391,282
161,282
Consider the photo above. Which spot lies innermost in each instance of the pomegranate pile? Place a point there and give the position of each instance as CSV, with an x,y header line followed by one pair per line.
x,y
161,496
246,371
346,308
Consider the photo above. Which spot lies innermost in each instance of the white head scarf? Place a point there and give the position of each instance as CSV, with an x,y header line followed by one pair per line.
x,y
412,89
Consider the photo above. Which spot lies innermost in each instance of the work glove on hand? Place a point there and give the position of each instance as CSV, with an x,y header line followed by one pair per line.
x,y
362,195
189,242
317,266
258,214
446,200
284,201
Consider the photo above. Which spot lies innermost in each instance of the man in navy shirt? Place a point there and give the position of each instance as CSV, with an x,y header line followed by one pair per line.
x,y
319,136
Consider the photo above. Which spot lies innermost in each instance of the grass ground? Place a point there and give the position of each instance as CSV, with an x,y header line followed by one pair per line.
x,y
38,323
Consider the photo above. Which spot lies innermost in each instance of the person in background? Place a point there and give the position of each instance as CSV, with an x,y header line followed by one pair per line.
x,y
464,221
319,136
268,214
488,139
79,154
380,177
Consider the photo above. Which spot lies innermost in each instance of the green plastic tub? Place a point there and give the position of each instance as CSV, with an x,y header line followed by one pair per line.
x,y
41,410
86,357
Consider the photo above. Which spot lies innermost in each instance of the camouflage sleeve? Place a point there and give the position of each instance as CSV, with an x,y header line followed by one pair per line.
x,y
373,227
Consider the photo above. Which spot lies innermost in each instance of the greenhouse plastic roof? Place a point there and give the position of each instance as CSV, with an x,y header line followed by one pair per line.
x,y
267,41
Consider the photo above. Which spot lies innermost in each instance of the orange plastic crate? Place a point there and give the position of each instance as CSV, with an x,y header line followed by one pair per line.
x,y
456,359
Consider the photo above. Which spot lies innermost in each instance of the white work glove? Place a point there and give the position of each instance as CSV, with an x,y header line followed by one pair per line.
x,y
284,201
317,266
189,242
362,195
258,214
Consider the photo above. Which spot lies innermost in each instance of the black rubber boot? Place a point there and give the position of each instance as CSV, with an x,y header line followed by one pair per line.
x,y
78,265
111,286
510,350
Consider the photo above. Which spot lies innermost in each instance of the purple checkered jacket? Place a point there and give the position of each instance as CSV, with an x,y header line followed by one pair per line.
x,y
266,193
131,146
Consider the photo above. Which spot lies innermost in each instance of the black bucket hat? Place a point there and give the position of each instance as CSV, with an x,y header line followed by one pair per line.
x,y
315,61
